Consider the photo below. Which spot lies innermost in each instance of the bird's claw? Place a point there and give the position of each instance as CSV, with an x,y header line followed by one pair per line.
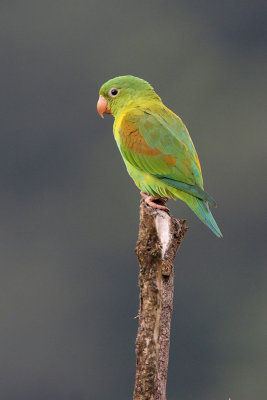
x,y
150,201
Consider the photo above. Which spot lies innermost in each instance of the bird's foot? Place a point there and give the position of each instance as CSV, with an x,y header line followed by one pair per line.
x,y
151,201
144,195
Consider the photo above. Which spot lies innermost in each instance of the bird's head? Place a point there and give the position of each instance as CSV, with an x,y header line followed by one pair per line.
x,y
121,92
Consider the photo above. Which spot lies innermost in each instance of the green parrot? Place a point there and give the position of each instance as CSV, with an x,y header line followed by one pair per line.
x,y
156,147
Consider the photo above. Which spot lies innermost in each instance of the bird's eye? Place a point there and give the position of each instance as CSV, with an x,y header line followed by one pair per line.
x,y
113,92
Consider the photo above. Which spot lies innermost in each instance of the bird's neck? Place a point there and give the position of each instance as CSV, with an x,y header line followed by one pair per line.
x,y
131,103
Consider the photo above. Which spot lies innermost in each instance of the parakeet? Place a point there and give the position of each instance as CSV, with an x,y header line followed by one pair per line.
x,y
156,147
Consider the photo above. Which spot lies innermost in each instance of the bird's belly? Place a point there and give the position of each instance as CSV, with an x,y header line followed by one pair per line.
x,y
149,184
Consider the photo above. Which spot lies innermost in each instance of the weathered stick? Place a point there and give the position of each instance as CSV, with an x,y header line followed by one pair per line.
x,y
160,236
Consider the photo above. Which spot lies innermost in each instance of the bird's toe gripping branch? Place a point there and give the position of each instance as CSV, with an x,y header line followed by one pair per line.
x,y
152,201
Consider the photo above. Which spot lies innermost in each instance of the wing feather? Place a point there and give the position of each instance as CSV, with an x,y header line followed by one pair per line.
x,y
158,143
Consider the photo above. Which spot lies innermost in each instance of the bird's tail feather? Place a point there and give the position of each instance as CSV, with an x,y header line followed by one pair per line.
x,y
201,209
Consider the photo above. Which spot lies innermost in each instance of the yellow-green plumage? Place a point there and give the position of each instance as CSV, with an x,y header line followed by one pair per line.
x,y
156,147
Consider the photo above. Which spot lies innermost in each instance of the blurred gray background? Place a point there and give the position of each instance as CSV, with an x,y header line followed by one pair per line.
x,y
69,211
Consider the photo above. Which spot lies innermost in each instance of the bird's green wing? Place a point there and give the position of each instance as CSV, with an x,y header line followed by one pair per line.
x,y
157,142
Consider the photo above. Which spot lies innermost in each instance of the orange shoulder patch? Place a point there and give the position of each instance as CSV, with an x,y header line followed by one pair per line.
x,y
134,141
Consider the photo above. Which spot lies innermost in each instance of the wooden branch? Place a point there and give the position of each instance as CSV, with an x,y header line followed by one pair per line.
x,y
160,236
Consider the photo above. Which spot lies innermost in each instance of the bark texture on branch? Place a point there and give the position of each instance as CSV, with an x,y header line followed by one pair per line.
x,y
160,236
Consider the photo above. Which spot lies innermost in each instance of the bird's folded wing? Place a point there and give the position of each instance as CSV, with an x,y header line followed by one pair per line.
x,y
158,143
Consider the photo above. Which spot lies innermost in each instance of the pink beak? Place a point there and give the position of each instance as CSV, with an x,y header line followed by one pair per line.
x,y
102,106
